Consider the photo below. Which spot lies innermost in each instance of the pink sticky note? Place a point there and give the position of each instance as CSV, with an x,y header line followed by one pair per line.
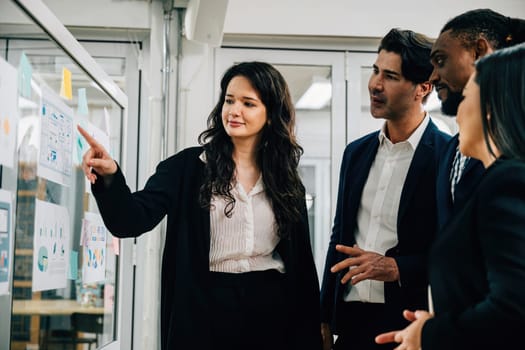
x,y
109,298
116,247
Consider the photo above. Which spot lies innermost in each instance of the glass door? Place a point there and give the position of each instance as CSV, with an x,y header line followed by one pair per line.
x,y
70,279
360,122
317,85
42,310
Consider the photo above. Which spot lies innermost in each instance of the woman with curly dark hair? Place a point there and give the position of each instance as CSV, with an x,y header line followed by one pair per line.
x,y
271,146
238,272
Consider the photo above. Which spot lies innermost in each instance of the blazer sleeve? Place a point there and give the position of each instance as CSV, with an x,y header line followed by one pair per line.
x,y
128,214
499,227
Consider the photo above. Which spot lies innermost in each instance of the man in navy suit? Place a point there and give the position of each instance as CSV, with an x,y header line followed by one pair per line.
x,y
386,209
463,40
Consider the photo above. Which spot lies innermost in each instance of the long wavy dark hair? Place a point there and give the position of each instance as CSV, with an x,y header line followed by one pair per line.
x,y
501,80
277,155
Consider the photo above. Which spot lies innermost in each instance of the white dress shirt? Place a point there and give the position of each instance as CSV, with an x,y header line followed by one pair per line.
x,y
377,215
246,241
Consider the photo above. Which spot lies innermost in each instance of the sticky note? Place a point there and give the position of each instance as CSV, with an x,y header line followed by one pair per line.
x,y
65,87
109,298
25,73
116,247
73,265
6,126
82,107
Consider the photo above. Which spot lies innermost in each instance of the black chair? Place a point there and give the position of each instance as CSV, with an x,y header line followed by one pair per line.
x,y
87,323
80,323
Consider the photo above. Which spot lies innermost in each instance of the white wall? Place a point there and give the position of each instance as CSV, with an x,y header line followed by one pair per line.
x,y
196,92
329,24
352,17
102,13
287,17
91,13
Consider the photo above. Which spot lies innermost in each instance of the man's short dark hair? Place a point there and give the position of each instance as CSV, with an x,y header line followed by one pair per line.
x,y
414,49
499,30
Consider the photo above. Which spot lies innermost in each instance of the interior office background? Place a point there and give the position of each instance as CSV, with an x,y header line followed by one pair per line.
x,y
169,63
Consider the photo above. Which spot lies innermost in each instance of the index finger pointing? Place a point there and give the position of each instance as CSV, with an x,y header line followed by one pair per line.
x,y
89,139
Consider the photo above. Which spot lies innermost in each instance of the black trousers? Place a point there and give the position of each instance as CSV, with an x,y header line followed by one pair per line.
x,y
248,311
360,323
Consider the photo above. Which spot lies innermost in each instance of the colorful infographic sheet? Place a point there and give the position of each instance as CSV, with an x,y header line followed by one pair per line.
x,y
93,240
8,112
56,139
6,237
50,246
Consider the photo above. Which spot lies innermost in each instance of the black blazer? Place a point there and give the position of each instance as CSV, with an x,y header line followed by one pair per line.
x,y
468,181
416,224
174,190
477,267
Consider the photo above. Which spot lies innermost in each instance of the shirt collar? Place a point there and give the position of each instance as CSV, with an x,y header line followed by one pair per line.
x,y
414,139
202,157
259,185
257,188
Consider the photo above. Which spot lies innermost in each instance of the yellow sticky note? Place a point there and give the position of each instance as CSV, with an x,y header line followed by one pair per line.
x,y
65,88
6,126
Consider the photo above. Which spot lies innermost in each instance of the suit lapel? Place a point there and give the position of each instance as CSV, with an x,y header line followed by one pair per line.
x,y
471,164
449,160
422,157
357,176
468,181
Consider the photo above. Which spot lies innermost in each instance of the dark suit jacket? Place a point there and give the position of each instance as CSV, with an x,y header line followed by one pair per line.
x,y
468,181
416,224
477,267
174,190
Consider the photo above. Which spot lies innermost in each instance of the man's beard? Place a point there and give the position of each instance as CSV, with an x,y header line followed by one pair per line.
x,y
450,105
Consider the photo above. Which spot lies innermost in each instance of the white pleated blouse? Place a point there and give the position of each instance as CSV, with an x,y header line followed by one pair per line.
x,y
246,241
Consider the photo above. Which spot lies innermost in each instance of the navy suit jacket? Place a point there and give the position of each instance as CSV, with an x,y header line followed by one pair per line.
x,y
477,267
416,224
468,181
